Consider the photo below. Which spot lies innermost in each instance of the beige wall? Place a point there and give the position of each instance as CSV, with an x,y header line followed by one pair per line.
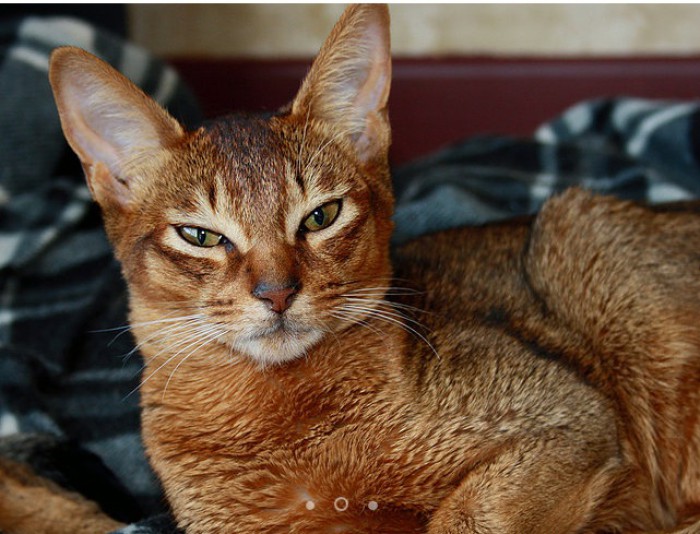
x,y
265,30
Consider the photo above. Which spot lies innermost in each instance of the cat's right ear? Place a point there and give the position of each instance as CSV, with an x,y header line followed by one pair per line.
x,y
347,87
113,126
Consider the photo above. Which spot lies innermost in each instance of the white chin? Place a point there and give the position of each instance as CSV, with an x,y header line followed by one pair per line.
x,y
278,347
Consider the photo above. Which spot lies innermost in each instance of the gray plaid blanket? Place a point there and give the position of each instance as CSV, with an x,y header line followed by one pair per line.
x,y
68,368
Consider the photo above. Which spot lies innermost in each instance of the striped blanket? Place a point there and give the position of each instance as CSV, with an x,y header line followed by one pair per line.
x,y
68,368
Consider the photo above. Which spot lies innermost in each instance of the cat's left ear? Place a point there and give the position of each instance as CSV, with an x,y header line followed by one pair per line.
x,y
348,84
113,126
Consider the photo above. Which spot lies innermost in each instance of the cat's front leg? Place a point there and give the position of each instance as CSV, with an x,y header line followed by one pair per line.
x,y
535,488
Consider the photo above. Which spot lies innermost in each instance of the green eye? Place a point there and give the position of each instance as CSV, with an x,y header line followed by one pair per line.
x,y
199,237
322,217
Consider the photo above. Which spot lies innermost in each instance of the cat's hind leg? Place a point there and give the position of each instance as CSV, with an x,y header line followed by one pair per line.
x,y
543,486
30,504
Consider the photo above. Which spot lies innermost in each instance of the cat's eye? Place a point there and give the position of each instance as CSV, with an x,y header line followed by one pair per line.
x,y
200,237
322,217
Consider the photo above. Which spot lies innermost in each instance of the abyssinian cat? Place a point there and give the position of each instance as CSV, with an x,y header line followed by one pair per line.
x,y
552,385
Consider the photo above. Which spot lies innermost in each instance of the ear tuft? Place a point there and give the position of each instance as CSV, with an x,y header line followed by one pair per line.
x,y
348,84
110,123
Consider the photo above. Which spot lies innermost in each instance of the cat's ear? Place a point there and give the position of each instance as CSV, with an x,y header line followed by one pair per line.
x,y
113,126
348,84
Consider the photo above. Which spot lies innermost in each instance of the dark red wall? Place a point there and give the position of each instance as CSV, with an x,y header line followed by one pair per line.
x,y
437,102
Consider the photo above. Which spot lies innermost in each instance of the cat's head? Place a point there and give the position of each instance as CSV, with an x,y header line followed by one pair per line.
x,y
266,233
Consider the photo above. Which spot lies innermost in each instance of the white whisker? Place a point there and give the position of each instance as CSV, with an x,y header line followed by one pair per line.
x,y
184,336
198,336
384,290
382,302
357,319
213,336
163,332
381,306
394,318
131,326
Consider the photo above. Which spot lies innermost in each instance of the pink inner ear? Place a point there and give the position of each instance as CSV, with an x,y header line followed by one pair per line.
x,y
105,116
373,90
372,95
92,146
348,84
111,124
92,111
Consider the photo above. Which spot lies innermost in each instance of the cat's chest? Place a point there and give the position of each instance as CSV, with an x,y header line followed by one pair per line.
x,y
301,446
243,410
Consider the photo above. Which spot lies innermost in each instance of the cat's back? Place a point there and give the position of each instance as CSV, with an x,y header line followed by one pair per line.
x,y
592,303
588,274
583,260
477,347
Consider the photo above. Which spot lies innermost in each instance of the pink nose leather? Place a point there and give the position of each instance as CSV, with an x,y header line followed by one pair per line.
x,y
278,298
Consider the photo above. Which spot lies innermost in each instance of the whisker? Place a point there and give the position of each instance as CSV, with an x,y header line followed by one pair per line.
x,y
126,328
389,304
143,323
213,336
356,319
394,319
199,337
115,329
171,329
167,320
184,336
389,312
388,290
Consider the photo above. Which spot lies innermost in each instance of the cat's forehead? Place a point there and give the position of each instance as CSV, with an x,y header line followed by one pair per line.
x,y
248,153
262,170
264,157
244,167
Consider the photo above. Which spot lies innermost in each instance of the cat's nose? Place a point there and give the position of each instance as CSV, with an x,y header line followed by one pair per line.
x,y
278,297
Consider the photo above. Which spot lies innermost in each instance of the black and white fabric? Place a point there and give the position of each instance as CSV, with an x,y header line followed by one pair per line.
x,y
69,374
60,374
634,149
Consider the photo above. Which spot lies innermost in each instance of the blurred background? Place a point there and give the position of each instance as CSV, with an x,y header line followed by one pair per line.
x,y
273,30
460,69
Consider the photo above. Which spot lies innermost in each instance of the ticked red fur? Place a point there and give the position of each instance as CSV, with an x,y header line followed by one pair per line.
x,y
533,376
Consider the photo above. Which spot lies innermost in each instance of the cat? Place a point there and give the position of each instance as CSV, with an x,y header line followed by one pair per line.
x,y
536,375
